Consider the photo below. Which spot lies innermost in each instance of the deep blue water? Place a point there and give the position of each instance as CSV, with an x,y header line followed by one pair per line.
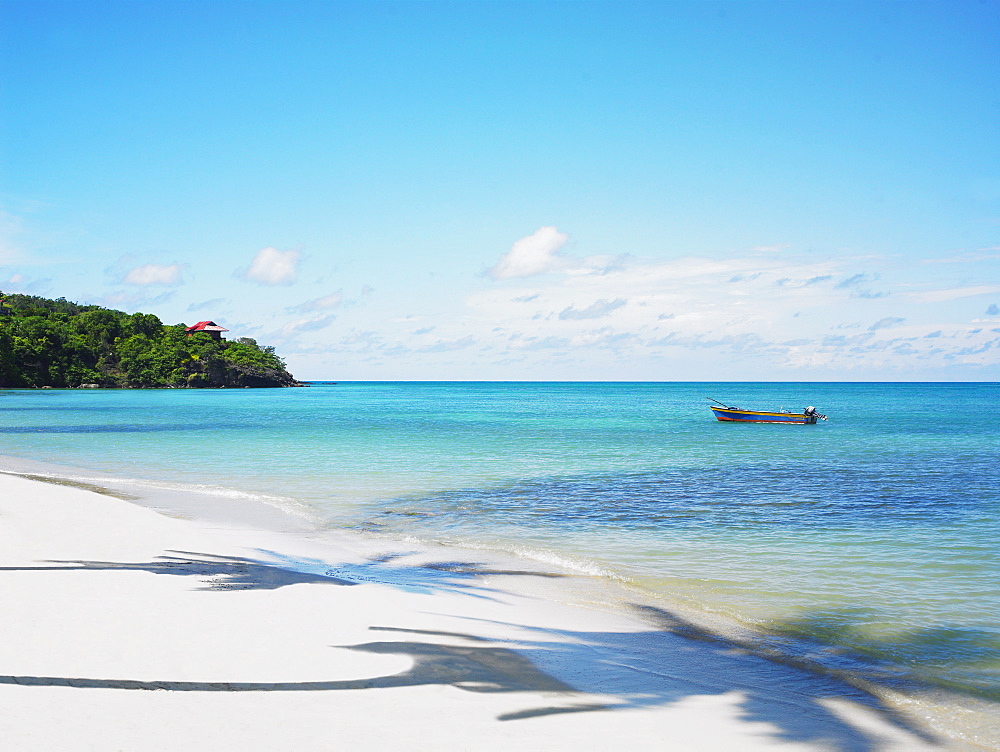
x,y
873,535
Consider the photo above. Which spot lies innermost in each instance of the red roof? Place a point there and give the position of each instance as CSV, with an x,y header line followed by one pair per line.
x,y
206,326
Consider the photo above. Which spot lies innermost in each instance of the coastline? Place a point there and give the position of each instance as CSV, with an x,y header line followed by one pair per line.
x,y
204,633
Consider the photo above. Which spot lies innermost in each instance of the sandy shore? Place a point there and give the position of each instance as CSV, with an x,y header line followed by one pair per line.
x,y
127,629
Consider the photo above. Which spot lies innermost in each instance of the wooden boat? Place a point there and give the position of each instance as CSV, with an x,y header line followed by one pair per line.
x,y
739,415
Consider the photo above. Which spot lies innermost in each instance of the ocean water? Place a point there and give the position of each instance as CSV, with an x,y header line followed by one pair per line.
x,y
866,544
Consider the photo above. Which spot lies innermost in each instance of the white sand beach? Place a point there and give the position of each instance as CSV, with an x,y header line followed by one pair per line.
x,y
125,629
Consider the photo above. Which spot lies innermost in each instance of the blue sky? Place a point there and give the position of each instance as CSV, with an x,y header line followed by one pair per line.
x,y
519,190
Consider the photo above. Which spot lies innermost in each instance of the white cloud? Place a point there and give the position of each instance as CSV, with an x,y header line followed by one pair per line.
x,y
272,267
687,317
886,323
535,254
596,310
955,293
967,257
154,274
448,345
854,284
326,303
854,281
133,301
213,303
293,328
777,309
676,303
18,283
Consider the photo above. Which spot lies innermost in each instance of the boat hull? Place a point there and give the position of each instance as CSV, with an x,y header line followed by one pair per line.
x,y
735,415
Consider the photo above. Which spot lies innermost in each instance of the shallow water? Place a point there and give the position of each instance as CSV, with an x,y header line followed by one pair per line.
x,y
865,542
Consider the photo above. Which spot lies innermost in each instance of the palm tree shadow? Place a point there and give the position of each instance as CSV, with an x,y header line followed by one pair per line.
x,y
392,570
576,671
678,660
583,671
217,572
274,570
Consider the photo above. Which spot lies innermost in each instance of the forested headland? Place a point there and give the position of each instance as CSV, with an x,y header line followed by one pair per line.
x,y
57,343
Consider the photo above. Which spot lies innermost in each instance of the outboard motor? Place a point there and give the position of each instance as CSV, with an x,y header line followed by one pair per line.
x,y
812,416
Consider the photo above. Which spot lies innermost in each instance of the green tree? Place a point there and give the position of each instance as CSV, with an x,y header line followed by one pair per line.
x,y
59,343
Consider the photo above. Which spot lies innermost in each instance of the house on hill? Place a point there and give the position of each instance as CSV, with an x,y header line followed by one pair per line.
x,y
209,327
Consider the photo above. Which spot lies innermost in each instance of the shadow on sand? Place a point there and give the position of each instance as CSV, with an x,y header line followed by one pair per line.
x,y
276,570
579,671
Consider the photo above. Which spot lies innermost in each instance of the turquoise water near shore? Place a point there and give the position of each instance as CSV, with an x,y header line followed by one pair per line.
x,y
867,543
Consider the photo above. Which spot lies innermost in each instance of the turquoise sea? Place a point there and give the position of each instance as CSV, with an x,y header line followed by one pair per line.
x,y
866,544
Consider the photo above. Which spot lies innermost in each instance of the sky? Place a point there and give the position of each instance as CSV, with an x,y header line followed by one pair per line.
x,y
606,191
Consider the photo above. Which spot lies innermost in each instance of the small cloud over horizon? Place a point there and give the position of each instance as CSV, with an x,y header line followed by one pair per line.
x,y
294,328
272,267
133,301
448,345
325,303
147,275
18,283
213,303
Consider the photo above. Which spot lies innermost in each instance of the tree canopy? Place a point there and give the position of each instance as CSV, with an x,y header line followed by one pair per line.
x,y
58,343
